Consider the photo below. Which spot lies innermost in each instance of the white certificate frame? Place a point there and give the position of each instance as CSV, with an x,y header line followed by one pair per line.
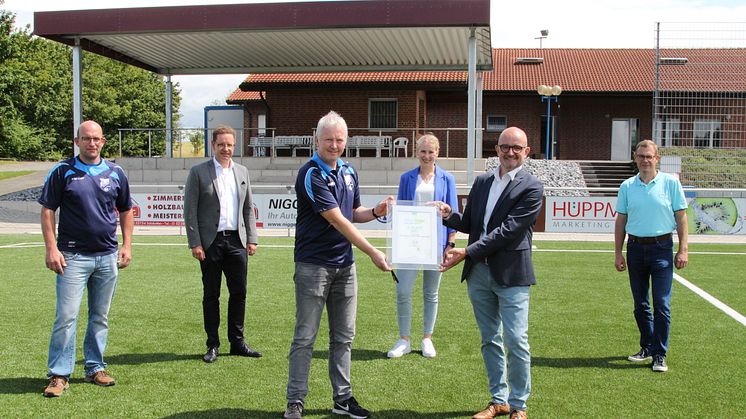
x,y
414,236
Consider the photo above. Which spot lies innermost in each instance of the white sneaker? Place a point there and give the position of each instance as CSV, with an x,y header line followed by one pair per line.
x,y
402,347
428,350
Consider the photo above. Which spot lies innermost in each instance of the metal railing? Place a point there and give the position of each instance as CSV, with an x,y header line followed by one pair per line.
x,y
194,142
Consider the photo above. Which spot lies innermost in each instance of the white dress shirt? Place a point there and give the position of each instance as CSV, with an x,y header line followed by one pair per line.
x,y
228,196
496,190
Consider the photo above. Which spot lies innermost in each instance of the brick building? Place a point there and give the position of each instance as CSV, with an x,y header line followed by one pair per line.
x,y
606,105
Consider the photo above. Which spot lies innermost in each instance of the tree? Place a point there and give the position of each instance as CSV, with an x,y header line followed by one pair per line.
x,y
36,116
197,138
122,96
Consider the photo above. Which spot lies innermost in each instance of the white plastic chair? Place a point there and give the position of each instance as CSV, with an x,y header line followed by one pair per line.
x,y
400,144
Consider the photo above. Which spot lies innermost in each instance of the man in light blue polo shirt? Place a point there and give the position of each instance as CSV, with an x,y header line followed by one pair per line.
x,y
649,207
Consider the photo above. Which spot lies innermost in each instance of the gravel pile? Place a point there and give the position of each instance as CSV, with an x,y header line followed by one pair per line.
x,y
30,194
553,174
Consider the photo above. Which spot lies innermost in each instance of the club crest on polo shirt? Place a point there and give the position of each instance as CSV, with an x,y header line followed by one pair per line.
x,y
348,181
105,184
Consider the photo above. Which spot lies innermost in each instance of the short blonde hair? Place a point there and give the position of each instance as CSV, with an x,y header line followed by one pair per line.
x,y
647,144
428,138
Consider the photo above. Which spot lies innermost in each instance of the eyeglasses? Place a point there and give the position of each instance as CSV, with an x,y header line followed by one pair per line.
x,y
515,147
645,156
92,139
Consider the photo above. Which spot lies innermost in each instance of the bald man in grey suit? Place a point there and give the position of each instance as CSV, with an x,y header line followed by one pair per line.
x,y
499,218
221,230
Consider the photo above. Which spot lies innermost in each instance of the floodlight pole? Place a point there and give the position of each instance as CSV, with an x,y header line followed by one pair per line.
x,y
169,110
77,91
471,111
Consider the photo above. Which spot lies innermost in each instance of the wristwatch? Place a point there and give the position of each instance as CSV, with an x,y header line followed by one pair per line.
x,y
451,244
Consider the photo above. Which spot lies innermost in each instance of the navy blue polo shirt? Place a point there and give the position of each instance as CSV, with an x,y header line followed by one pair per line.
x,y
88,197
318,189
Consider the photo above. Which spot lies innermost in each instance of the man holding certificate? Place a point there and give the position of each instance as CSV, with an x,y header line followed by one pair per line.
x,y
499,218
328,203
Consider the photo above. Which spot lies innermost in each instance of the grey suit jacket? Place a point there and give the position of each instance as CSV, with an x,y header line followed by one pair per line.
x,y
202,205
507,246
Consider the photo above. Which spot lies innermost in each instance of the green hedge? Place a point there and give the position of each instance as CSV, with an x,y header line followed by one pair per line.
x,y
710,168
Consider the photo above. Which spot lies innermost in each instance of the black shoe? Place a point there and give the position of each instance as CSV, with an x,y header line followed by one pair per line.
x,y
659,363
294,411
211,355
242,349
642,356
351,408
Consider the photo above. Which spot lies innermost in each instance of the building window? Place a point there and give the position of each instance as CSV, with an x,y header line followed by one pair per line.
x,y
382,114
668,132
497,122
707,133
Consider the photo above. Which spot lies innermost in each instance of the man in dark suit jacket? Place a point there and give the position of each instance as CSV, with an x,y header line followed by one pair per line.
x,y
499,217
221,230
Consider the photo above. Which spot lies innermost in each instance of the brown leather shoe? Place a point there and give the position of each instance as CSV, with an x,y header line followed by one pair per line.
x,y
100,378
518,414
493,410
57,385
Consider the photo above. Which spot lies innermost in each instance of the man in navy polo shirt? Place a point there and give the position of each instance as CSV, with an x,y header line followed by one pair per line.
x,y
90,193
649,207
328,204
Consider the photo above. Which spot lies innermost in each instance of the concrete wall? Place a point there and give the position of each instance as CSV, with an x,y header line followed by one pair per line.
x,y
283,170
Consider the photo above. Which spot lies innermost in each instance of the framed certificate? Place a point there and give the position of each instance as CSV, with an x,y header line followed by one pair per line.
x,y
414,241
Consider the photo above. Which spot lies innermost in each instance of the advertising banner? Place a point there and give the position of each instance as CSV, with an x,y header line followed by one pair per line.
x,y
270,210
717,216
159,209
597,215
584,214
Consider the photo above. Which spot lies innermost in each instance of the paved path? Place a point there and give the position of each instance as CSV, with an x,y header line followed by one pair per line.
x,y
19,183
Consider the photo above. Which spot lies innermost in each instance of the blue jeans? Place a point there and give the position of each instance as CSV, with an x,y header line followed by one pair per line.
x,y
651,263
502,317
430,284
317,286
99,274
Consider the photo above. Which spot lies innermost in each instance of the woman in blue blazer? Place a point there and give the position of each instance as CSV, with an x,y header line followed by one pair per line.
x,y
427,182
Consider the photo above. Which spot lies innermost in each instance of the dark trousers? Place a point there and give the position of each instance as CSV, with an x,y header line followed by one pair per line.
x,y
225,255
650,269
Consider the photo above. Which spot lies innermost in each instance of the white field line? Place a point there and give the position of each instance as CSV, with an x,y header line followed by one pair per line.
x,y
26,245
21,245
712,300
611,251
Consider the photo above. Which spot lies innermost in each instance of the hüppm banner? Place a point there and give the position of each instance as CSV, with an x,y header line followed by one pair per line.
x,y
597,215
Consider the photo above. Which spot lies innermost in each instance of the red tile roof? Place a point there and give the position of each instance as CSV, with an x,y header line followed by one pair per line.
x,y
241,96
576,70
583,70
618,70
359,77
